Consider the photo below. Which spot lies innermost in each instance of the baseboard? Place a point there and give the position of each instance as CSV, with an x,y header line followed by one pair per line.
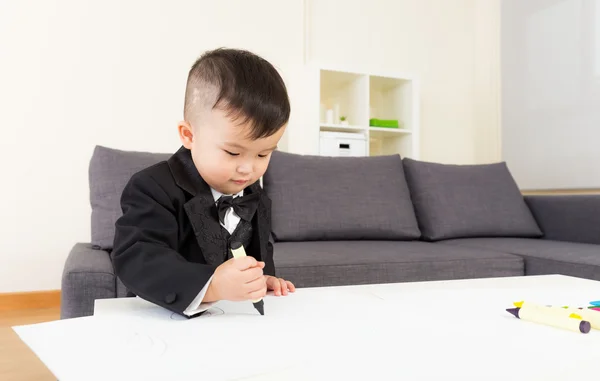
x,y
29,300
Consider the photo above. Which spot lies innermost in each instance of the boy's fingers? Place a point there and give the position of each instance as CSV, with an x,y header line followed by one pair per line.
x,y
284,288
291,286
274,284
252,274
244,263
258,294
257,285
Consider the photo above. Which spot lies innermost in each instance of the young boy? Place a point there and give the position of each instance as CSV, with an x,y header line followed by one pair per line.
x,y
172,244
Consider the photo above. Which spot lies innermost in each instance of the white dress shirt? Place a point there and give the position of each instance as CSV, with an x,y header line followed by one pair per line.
x,y
230,222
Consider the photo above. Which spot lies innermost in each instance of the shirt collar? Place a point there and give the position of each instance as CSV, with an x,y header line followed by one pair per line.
x,y
216,194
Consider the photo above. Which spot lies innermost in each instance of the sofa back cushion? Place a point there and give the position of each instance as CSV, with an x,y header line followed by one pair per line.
x,y
339,198
461,201
109,172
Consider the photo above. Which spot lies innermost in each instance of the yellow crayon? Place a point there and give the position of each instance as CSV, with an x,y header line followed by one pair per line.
x,y
551,316
589,315
558,311
237,250
578,313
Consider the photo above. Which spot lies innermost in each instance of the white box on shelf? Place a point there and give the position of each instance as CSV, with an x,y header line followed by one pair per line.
x,y
342,144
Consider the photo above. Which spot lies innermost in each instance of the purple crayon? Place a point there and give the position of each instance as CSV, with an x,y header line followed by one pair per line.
x,y
541,316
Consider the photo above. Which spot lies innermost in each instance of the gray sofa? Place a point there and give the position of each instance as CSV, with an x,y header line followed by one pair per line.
x,y
341,221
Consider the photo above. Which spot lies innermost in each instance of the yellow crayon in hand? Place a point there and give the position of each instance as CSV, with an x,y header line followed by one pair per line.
x,y
237,250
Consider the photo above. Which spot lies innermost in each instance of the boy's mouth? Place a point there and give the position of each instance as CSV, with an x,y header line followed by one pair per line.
x,y
240,182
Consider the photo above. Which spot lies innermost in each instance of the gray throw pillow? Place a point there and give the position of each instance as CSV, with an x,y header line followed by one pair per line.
x,y
462,201
109,172
339,198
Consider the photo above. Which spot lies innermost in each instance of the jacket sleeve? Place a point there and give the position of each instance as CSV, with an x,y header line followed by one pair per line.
x,y
145,254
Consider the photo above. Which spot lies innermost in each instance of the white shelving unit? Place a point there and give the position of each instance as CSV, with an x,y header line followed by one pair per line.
x,y
360,96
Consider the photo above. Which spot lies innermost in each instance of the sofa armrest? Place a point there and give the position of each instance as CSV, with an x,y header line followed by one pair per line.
x,y
571,218
88,275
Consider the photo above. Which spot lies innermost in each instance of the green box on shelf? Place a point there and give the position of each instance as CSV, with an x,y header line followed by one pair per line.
x,y
384,123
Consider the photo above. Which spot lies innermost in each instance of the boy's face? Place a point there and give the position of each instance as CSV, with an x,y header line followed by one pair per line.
x,y
225,157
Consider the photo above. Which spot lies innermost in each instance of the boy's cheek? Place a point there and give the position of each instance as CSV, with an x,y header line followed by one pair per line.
x,y
262,169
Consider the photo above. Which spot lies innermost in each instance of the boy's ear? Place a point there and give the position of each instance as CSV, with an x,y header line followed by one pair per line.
x,y
186,134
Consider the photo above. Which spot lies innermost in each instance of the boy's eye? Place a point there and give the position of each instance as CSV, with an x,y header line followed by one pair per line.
x,y
231,153
263,155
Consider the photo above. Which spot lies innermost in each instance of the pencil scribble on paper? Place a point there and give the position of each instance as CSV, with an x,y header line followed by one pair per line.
x,y
145,345
214,311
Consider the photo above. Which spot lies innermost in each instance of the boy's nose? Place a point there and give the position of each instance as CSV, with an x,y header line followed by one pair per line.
x,y
245,168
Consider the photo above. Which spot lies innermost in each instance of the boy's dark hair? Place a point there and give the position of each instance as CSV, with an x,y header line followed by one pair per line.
x,y
241,83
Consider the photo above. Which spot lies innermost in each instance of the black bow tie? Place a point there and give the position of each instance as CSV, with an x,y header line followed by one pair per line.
x,y
244,206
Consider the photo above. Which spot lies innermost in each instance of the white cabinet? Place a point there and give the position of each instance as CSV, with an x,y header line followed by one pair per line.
x,y
352,101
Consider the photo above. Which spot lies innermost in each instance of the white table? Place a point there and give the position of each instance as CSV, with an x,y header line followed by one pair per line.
x,y
414,331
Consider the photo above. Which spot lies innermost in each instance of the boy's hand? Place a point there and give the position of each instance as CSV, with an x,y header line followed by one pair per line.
x,y
279,286
237,279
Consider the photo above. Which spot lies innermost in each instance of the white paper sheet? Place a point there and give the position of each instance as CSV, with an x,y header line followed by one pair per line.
x,y
140,340
370,332
98,348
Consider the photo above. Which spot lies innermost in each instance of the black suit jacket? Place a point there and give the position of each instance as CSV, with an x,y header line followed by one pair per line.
x,y
169,242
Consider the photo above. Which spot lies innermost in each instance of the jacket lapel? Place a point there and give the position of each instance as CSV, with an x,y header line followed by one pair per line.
x,y
201,212
200,209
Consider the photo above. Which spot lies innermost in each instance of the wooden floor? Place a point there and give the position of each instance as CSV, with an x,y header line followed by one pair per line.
x,y
17,361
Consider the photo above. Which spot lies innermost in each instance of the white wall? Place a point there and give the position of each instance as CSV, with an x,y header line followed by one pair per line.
x,y
551,92
77,73
487,86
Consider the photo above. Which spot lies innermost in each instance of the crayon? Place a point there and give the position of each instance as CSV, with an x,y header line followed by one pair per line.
x,y
237,250
559,311
582,313
590,308
588,315
538,315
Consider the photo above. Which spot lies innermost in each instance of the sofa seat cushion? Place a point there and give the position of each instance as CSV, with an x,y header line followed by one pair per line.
x,y
339,198
466,201
544,256
338,263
